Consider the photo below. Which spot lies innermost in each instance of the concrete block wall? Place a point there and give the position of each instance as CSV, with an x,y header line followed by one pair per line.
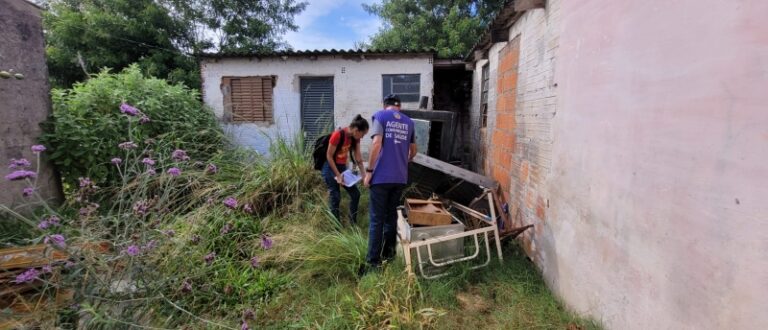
x,y
357,89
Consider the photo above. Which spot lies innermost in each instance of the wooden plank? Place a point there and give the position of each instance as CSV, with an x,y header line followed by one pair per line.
x,y
41,255
455,171
498,203
523,5
32,256
499,35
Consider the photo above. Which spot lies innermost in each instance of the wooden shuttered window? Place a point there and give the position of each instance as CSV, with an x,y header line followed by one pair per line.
x,y
248,99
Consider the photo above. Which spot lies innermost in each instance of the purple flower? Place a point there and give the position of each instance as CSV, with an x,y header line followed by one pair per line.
x,y
248,314
144,119
132,250
255,262
179,155
85,182
127,145
186,286
174,171
226,228
116,161
209,258
19,163
266,242
230,202
54,220
141,207
27,276
47,269
20,175
169,232
43,224
28,191
151,170
148,161
195,239
129,110
247,208
211,169
84,211
38,148
244,326
151,245
56,240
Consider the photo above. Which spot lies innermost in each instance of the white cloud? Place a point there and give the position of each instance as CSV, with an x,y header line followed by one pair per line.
x,y
310,41
306,38
364,28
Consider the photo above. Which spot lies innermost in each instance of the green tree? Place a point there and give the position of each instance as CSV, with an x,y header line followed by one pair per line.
x,y
449,26
163,37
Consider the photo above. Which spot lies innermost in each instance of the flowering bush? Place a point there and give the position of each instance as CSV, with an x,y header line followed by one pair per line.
x,y
179,240
85,131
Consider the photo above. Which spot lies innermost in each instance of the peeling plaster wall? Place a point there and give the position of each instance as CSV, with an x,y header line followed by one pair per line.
x,y
24,104
356,91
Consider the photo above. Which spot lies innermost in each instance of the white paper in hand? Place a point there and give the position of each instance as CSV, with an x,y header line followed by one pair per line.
x,y
350,178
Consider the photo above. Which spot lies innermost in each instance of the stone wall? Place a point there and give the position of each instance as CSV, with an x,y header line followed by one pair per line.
x,y
24,104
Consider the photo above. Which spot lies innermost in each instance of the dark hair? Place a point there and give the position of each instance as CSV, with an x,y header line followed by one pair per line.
x,y
360,123
392,99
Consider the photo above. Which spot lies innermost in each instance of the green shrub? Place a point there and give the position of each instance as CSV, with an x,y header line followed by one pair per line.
x,y
87,124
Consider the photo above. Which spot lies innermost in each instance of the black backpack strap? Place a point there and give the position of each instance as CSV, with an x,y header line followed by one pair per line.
x,y
351,149
352,145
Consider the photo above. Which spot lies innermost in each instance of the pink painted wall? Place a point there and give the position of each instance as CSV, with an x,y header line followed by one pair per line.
x,y
659,184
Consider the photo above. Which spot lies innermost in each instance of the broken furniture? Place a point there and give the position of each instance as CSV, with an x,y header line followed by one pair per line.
x,y
473,206
439,246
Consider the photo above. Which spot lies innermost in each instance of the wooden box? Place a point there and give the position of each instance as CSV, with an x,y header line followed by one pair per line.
x,y
427,212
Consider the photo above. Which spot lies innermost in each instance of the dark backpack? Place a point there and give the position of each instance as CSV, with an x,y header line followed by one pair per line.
x,y
321,148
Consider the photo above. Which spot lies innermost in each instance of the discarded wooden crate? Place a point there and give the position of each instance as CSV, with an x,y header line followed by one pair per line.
x,y
427,212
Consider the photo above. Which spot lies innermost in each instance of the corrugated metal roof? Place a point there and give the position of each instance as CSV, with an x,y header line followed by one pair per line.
x,y
320,52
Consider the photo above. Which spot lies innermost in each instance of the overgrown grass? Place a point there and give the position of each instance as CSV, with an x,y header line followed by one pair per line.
x,y
307,279
507,295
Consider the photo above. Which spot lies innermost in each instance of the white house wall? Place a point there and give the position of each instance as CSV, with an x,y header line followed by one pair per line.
x,y
358,90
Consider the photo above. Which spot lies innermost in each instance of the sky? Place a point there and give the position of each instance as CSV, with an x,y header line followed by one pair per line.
x,y
338,24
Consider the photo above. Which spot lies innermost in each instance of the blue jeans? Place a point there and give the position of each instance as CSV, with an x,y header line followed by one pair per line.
x,y
382,230
335,192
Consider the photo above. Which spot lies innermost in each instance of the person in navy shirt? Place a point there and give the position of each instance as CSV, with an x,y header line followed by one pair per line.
x,y
394,145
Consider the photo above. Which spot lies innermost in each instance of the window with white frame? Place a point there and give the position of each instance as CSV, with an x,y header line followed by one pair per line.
x,y
406,86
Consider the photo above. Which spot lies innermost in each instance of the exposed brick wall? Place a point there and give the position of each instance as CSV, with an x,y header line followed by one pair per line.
x,y
536,106
502,145
518,141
